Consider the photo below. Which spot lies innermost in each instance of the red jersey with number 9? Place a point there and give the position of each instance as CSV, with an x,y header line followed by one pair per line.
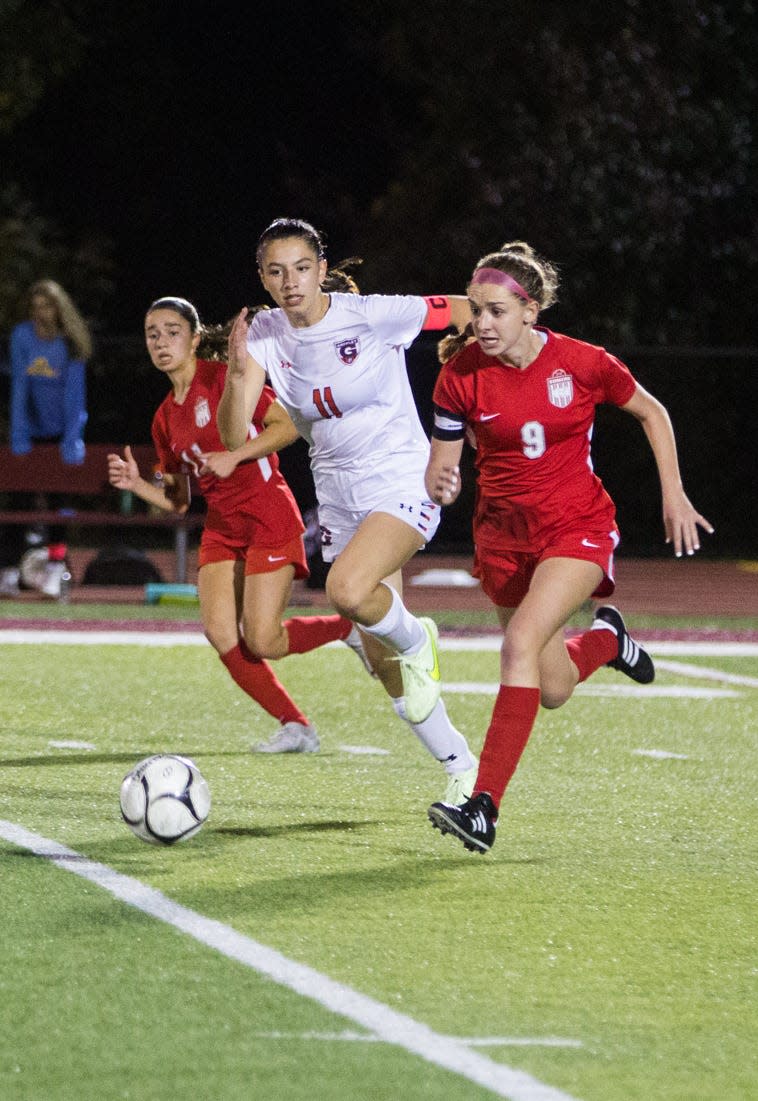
x,y
533,429
254,505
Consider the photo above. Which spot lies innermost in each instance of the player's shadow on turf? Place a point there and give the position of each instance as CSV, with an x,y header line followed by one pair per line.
x,y
288,830
64,758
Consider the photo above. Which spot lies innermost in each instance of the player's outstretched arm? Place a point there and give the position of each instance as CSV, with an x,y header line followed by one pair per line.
x,y
278,432
460,311
680,518
170,495
242,387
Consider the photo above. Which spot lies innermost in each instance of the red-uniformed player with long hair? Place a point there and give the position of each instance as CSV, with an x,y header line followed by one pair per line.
x,y
251,548
544,527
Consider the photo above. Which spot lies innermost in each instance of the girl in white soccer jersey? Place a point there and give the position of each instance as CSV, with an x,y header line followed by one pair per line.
x,y
336,363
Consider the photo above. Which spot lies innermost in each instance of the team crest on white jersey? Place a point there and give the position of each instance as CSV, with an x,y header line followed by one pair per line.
x,y
202,412
560,389
348,350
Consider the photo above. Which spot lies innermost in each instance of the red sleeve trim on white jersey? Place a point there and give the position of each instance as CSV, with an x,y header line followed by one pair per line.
x,y
437,312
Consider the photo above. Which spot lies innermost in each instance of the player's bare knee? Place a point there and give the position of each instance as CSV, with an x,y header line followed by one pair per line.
x,y
261,641
514,654
344,593
551,698
220,638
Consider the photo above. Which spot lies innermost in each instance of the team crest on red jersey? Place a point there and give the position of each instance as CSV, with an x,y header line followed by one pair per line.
x,y
348,350
202,412
560,389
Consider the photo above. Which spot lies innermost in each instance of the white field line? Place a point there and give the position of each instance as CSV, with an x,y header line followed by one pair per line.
x,y
687,670
472,1041
448,644
695,648
607,691
482,643
381,1020
104,638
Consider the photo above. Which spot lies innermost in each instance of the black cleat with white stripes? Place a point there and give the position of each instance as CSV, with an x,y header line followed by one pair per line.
x,y
632,659
473,822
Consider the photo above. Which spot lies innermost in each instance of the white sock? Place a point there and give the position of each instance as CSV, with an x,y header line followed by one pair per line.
x,y
437,733
399,630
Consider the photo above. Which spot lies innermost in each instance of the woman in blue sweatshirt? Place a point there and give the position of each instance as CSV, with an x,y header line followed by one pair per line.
x,y
48,357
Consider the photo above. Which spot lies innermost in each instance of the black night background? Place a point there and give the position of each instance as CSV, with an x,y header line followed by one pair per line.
x,y
145,147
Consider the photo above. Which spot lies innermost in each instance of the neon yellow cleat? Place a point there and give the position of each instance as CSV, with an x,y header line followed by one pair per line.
x,y
422,682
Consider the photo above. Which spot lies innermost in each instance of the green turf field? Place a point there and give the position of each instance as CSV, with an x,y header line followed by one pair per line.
x,y
605,947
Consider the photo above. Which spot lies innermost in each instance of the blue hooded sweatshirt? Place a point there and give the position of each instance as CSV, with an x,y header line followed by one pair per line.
x,y
48,394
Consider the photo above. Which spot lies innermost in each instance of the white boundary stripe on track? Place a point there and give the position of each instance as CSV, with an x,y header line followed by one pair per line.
x,y
448,643
382,1021
104,638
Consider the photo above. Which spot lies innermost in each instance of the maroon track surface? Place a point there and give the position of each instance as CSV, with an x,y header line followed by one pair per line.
x,y
671,587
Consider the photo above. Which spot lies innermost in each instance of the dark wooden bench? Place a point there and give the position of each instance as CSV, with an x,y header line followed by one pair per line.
x,y
43,472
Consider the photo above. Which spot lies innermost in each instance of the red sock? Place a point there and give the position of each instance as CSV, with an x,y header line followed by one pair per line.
x,y
592,649
307,632
510,726
257,678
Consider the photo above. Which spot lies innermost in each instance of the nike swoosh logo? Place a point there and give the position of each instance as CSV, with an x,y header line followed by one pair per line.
x,y
488,416
278,558
434,672
586,543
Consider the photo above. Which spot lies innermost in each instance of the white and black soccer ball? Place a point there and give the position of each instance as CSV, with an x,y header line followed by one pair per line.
x,y
165,799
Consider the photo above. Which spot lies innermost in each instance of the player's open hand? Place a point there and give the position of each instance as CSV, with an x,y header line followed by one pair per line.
x,y
681,522
123,473
237,352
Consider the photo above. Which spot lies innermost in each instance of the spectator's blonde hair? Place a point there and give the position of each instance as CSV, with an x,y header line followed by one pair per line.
x,y
71,323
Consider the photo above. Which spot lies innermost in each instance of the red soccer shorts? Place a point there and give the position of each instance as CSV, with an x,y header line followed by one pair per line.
x,y
506,575
214,548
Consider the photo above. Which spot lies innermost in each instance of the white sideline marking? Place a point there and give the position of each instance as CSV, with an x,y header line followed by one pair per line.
x,y
661,754
482,643
638,691
71,745
365,750
706,674
705,649
105,638
471,1041
386,1023
696,648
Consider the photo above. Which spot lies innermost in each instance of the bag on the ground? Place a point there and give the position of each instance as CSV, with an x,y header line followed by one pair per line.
x,y
121,566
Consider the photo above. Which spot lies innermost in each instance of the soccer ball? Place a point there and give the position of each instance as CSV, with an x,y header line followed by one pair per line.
x,y
164,799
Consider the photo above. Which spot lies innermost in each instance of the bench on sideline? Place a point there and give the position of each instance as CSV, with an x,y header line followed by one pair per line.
x,y
42,471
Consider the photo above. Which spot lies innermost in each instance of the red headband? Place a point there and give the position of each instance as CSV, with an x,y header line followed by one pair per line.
x,y
494,275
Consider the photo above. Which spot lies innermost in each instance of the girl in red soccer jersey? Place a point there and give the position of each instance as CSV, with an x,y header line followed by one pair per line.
x,y
544,527
252,547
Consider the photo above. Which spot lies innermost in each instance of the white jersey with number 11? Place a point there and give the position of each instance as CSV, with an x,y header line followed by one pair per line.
x,y
344,383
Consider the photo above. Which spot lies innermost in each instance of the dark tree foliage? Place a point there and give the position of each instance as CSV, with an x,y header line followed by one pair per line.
x,y
618,137
39,44
42,42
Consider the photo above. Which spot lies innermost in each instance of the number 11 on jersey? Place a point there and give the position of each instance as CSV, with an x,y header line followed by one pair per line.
x,y
321,401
